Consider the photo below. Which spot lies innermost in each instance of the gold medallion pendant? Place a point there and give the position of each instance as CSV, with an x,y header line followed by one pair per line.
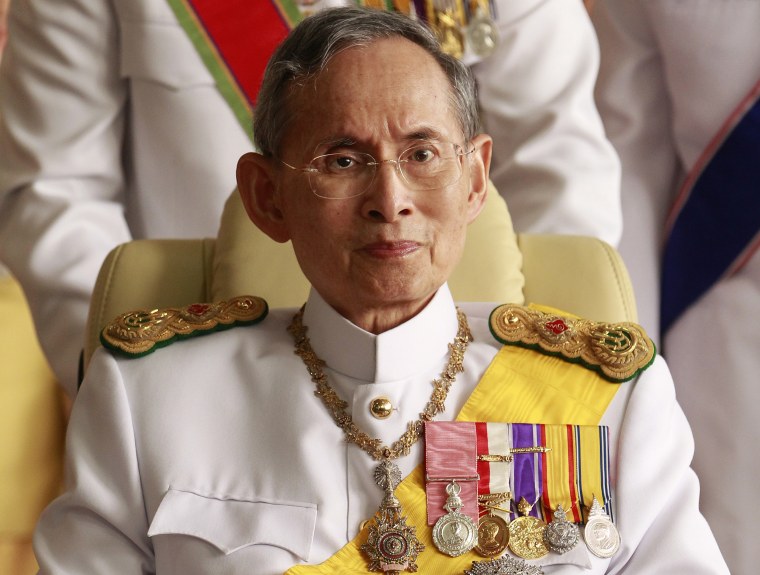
x,y
526,534
392,545
448,24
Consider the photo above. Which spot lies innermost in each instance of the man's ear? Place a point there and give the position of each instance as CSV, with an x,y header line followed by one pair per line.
x,y
480,165
257,185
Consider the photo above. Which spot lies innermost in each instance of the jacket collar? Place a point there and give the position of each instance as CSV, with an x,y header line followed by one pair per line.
x,y
399,353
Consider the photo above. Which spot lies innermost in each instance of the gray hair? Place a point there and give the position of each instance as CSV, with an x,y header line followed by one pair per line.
x,y
310,46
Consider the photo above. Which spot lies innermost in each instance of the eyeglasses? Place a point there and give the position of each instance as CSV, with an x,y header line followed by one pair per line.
x,y
423,166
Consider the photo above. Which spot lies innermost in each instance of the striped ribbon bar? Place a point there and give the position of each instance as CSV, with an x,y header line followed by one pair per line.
x,y
576,469
572,468
495,476
528,468
450,453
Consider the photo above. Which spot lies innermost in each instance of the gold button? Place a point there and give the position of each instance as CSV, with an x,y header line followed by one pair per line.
x,y
381,407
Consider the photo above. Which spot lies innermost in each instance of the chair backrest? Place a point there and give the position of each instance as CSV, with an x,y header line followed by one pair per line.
x,y
581,275
32,426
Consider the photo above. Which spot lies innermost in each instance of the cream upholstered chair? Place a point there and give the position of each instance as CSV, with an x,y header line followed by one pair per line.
x,y
581,275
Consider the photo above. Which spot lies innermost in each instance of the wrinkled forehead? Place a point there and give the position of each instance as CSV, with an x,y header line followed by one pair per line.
x,y
386,89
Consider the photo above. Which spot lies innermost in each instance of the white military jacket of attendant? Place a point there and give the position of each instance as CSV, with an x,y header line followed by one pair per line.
x,y
214,455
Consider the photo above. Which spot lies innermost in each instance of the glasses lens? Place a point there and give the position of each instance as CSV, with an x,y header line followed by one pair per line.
x,y
342,175
431,165
424,166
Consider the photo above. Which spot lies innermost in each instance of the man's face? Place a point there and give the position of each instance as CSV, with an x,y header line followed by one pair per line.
x,y
379,257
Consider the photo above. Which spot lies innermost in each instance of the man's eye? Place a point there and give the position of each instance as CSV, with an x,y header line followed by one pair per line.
x,y
421,155
342,163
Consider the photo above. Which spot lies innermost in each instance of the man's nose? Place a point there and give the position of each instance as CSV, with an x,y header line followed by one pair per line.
x,y
389,196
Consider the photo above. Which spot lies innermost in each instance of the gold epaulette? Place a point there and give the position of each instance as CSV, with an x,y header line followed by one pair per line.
x,y
617,351
141,332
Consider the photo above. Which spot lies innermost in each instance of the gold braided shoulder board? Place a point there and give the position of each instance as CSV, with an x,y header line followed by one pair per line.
x,y
617,351
138,333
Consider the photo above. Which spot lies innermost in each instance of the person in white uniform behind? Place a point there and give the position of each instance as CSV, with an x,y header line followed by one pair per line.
x,y
215,455
679,91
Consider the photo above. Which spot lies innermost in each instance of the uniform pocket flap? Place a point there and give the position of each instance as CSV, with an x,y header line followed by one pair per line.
x,y
231,524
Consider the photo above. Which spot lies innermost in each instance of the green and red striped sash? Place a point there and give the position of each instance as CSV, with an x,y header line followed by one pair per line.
x,y
235,39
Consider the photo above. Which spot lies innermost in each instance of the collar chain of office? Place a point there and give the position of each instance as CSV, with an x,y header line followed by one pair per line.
x,y
392,546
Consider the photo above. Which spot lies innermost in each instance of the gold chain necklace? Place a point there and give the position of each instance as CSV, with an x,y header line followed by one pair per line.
x,y
392,546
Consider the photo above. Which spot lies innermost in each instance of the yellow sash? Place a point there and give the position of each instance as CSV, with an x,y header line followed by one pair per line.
x,y
520,386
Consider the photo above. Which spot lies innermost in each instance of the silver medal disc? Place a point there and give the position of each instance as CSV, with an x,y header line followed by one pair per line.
x,y
455,534
561,535
600,533
602,537
481,35
503,566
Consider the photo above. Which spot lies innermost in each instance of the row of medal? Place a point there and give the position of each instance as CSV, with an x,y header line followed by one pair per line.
x,y
450,448
461,26
526,536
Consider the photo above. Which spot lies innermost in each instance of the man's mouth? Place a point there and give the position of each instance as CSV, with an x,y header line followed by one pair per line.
x,y
391,249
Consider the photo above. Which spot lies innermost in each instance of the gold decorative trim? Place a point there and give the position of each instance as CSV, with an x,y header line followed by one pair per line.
x,y
141,332
617,351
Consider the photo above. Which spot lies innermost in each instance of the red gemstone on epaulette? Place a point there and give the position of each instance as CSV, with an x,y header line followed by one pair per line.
x,y
556,326
198,308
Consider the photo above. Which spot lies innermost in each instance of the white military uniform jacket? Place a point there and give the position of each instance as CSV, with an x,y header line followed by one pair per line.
x,y
111,128
672,73
214,456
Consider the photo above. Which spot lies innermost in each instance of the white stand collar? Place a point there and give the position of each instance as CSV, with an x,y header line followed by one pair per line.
x,y
399,353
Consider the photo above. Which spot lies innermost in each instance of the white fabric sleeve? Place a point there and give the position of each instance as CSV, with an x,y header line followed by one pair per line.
x,y
99,525
61,180
633,97
657,493
61,175
552,161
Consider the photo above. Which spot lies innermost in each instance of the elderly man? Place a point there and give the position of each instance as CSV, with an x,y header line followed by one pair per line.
x,y
215,456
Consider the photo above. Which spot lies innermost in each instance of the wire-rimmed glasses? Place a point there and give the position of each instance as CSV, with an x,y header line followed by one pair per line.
x,y
426,165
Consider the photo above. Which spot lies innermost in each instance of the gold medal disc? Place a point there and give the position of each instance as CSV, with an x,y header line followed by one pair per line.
x,y
526,537
493,536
